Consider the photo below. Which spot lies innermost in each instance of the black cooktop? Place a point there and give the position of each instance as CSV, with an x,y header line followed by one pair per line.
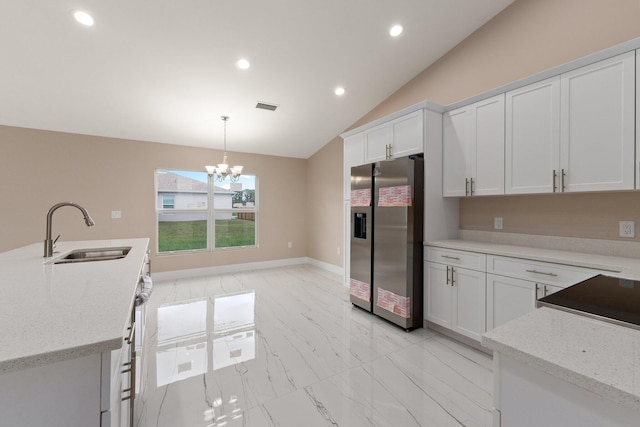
x,y
608,298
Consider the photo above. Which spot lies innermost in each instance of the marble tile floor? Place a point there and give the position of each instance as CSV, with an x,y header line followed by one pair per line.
x,y
285,347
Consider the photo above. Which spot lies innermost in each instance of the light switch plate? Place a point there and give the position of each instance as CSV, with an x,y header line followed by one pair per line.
x,y
628,229
116,214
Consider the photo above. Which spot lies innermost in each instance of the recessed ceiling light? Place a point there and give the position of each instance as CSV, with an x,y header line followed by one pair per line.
x,y
339,91
396,30
243,64
83,17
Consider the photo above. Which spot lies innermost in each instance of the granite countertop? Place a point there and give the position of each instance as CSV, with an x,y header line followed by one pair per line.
x,y
52,312
598,356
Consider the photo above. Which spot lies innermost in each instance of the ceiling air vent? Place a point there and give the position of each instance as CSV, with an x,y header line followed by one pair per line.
x,y
265,106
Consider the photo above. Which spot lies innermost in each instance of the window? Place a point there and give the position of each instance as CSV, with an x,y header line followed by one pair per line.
x,y
168,202
197,213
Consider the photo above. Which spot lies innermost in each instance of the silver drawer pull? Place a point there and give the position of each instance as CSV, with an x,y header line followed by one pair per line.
x,y
450,257
542,272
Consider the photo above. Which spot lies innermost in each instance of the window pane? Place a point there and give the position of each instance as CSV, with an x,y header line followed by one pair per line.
x,y
235,232
183,189
182,231
235,213
186,193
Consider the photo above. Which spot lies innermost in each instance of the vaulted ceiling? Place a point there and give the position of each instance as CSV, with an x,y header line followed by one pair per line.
x,y
166,70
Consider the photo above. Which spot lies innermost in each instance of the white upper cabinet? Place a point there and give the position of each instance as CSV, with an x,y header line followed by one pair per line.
x,y
473,149
456,152
408,135
353,156
394,138
487,146
377,141
397,138
532,140
597,147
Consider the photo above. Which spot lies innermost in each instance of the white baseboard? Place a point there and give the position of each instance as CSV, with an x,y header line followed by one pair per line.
x,y
326,266
231,268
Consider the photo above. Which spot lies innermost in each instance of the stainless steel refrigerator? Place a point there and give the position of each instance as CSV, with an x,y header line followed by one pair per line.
x,y
386,239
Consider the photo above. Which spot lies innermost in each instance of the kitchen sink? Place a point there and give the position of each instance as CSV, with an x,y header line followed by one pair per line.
x,y
94,254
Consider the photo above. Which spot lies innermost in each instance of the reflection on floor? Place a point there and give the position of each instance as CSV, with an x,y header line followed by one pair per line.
x,y
285,347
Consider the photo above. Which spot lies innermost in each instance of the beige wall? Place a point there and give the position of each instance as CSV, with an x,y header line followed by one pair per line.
x,y
38,169
528,37
325,204
41,168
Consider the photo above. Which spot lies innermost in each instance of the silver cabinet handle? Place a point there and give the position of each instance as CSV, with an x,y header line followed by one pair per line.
x,y
542,272
450,257
535,296
132,330
466,186
545,290
564,180
453,282
447,282
472,190
555,176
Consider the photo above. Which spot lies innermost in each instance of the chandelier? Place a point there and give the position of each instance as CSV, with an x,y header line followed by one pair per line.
x,y
223,170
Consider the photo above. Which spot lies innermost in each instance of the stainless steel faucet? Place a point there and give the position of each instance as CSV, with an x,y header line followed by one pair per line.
x,y
48,243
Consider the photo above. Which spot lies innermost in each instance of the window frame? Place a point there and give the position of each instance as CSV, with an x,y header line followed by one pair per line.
x,y
210,214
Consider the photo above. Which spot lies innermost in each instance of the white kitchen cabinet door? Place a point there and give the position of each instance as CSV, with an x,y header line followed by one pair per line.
x,y
408,134
508,298
597,126
353,156
438,294
456,152
542,290
377,141
469,302
487,147
532,140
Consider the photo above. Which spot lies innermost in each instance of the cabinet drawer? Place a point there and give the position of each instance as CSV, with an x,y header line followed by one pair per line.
x,y
536,271
471,260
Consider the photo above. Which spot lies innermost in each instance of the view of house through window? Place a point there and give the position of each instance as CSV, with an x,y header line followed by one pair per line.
x,y
196,212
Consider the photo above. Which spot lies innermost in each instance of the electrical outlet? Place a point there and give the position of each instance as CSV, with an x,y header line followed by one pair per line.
x,y
290,245
497,223
627,229
116,214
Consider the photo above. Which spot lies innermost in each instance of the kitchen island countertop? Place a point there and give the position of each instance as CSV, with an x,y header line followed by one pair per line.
x,y
53,312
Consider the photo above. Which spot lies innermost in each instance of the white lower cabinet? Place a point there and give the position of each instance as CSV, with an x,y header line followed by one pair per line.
x,y
455,296
472,292
514,285
508,298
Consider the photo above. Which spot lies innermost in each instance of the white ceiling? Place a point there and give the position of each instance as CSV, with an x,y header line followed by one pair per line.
x,y
164,70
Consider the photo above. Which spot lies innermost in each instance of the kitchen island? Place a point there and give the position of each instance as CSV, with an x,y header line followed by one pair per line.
x,y
63,331
555,368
